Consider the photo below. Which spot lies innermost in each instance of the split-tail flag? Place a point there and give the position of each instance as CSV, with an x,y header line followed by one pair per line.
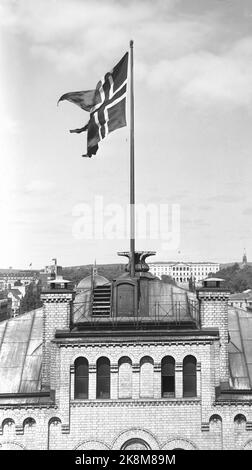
x,y
106,104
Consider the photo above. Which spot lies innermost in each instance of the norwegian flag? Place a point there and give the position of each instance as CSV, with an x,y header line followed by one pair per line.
x,y
107,105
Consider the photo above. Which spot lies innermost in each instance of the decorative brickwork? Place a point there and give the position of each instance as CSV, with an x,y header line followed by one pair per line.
x,y
56,315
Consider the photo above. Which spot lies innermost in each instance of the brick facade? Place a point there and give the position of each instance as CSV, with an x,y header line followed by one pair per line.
x,y
135,414
214,313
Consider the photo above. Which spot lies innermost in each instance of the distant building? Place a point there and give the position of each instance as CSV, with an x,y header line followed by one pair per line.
x,y
8,280
183,272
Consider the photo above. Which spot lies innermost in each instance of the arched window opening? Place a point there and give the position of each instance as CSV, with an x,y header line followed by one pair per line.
x,y
29,423
146,377
215,419
8,423
240,420
168,377
189,377
54,432
215,423
81,378
103,378
125,377
135,444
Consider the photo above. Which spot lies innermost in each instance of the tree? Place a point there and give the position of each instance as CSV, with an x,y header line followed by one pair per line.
x,y
168,279
31,299
192,284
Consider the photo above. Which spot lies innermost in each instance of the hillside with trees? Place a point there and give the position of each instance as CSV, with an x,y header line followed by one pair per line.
x,y
237,278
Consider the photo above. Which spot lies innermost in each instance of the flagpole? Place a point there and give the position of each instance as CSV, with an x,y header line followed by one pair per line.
x,y
132,169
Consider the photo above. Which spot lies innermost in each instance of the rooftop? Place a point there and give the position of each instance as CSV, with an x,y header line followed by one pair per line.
x,y
98,280
241,296
240,347
21,353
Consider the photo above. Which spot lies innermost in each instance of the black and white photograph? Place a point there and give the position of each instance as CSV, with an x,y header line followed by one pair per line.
x,y
126,229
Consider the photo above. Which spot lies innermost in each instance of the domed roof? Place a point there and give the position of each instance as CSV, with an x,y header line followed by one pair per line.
x,y
86,283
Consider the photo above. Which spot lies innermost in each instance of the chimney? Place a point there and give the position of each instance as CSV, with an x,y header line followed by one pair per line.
x,y
213,302
57,304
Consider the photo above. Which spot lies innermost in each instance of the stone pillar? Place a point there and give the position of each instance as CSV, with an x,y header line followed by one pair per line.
x,y
179,380
135,381
114,381
72,382
92,382
157,380
198,379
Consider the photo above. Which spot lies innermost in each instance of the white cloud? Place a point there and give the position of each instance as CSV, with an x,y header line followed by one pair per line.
x,y
174,51
207,78
75,34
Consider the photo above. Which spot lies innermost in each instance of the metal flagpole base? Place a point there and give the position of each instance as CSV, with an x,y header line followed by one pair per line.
x,y
139,259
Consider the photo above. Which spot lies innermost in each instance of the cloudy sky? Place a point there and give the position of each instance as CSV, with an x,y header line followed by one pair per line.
x,y
193,121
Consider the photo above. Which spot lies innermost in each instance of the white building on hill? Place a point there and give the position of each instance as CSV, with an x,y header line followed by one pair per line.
x,y
182,272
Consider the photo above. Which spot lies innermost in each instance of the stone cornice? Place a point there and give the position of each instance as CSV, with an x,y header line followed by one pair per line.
x,y
233,402
135,403
134,334
172,342
213,290
26,406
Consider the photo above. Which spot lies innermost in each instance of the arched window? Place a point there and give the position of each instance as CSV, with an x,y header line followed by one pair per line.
x,y
214,419
29,423
8,423
146,377
8,427
103,378
135,444
54,422
215,423
239,419
81,378
189,377
240,422
168,376
125,378
54,433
